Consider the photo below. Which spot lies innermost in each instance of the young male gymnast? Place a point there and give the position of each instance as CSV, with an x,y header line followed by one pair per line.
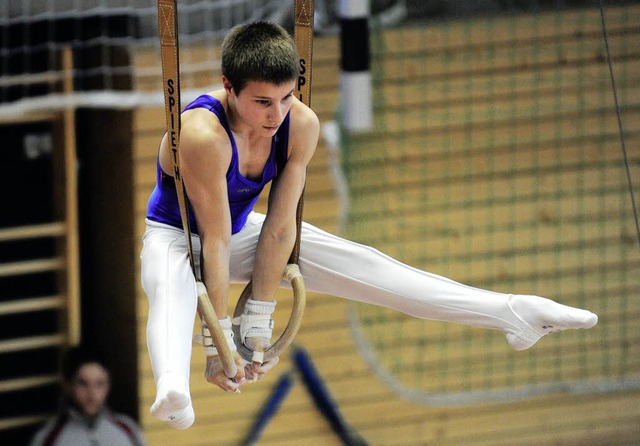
x,y
234,141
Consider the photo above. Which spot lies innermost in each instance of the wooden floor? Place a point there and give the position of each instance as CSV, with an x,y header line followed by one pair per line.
x,y
378,414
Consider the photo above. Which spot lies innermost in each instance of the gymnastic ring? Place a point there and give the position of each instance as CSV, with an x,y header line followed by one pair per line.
x,y
293,276
219,339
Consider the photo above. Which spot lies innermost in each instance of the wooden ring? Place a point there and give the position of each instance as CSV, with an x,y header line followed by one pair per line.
x,y
208,314
292,274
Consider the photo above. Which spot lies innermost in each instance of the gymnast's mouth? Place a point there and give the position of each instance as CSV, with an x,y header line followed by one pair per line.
x,y
271,128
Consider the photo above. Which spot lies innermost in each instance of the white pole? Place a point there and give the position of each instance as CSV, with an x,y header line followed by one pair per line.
x,y
356,108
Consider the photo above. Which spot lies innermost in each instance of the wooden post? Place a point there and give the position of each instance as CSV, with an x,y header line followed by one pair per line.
x,y
72,255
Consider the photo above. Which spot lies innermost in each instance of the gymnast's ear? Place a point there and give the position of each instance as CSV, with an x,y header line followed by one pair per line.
x,y
226,84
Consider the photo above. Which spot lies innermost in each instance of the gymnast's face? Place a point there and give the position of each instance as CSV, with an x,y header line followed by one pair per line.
x,y
262,105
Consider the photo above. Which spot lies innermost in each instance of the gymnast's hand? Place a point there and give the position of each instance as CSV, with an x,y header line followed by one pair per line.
x,y
255,370
215,374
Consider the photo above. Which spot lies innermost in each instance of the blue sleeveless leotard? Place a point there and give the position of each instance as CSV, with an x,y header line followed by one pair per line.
x,y
243,193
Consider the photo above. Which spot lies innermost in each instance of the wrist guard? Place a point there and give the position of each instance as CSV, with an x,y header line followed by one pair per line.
x,y
255,321
207,340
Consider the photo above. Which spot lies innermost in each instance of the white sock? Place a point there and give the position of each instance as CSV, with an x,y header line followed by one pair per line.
x,y
173,402
540,316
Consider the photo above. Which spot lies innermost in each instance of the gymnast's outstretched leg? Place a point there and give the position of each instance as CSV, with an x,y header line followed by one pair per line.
x,y
343,268
339,267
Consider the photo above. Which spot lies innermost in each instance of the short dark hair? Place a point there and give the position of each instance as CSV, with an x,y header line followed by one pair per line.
x,y
75,357
259,51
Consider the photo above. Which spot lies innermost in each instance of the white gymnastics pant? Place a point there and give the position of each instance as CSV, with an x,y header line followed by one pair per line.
x,y
329,264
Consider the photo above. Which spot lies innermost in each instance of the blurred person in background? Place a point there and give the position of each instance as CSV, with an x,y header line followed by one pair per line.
x,y
84,419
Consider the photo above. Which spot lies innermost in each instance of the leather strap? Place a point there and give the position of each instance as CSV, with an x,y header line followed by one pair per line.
x,y
169,50
303,12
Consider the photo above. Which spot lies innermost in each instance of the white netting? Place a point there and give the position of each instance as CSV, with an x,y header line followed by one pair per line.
x,y
114,47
